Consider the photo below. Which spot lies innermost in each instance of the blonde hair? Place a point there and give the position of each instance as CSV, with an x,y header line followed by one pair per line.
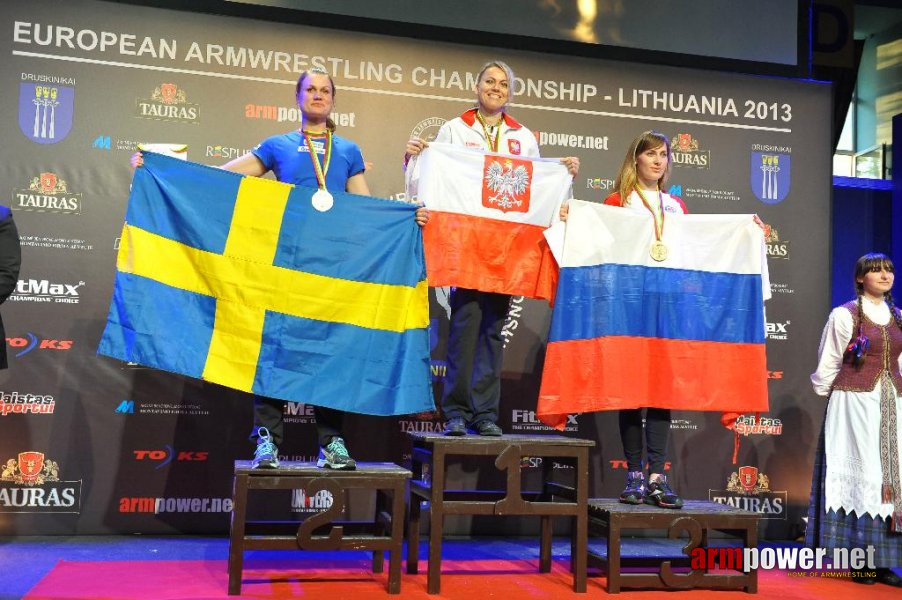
x,y
628,177
499,64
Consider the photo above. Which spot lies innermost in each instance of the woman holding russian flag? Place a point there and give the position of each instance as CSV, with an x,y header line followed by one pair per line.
x,y
856,493
472,390
640,186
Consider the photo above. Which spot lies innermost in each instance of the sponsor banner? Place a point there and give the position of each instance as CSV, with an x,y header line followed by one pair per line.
x,y
750,425
777,330
602,184
55,243
298,412
691,193
571,140
162,457
23,345
749,489
30,483
776,247
526,420
15,403
108,142
157,505
130,407
44,290
47,192
302,502
46,106
769,174
168,102
292,114
686,152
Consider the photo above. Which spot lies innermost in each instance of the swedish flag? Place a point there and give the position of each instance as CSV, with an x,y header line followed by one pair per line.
x,y
241,282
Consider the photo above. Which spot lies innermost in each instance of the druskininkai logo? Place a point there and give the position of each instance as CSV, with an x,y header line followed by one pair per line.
x,y
769,176
506,184
45,109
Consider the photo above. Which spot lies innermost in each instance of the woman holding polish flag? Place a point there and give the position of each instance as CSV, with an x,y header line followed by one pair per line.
x,y
472,390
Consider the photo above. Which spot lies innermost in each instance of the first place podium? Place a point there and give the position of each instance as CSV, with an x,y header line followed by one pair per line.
x,y
429,461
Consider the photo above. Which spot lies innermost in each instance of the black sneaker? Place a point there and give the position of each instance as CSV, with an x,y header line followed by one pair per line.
x,y
455,426
266,456
335,456
634,492
659,494
487,428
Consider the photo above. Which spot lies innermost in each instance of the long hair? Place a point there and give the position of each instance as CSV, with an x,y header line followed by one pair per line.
x,y
628,176
500,64
868,263
299,86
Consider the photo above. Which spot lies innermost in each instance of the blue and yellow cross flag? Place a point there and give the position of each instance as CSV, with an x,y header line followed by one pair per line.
x,y
240,281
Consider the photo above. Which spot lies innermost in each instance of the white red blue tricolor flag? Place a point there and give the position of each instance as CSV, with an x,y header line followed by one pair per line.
x,y
627,331
487,213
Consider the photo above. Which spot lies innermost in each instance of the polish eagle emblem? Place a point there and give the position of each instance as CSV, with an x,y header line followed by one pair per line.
x,y
508,186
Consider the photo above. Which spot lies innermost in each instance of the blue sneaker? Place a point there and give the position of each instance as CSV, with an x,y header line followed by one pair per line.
x,y
335,456
634,493
266,456
661,495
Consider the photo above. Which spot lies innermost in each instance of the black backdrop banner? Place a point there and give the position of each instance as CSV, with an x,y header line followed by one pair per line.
x,y
120,448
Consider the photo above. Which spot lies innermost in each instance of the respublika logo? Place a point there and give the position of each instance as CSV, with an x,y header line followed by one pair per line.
x,y
47,193
30,483
749,489
14,403
46,106
686,152
225,152
24,345
168,102
44,290
601,183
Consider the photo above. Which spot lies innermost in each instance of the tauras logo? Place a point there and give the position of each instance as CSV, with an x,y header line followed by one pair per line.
x,y
47,192
749,489
30,483
43,290
168,102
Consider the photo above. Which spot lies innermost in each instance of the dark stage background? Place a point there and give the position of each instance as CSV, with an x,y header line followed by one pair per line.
x,y
136,450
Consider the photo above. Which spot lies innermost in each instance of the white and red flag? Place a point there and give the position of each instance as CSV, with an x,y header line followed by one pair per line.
x,y
487,213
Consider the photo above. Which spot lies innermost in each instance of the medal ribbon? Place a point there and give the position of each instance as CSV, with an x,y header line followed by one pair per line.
x,y
493,144
320,169
659,229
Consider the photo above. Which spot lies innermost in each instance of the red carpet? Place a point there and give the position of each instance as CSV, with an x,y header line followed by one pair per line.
x,y
339,580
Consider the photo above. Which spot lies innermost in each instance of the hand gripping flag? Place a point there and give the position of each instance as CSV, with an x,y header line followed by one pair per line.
x,y
627,332
487,213
241,282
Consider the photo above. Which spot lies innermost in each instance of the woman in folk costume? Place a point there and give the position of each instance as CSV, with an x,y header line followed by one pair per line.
x,y
472,390
856,500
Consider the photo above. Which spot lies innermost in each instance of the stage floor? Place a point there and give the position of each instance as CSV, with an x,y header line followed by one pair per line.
x,y
142,567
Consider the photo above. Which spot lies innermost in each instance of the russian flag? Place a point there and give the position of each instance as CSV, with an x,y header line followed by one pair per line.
x,y
686,333
487,215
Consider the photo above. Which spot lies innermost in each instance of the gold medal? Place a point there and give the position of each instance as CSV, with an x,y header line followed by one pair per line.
x,y
658,251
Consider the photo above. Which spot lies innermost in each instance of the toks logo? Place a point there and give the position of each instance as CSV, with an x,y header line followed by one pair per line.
x,y
506,184
168,455
47,193
31,484
168,102
31,341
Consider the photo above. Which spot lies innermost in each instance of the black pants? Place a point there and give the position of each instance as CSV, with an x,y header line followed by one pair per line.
x,y
657,435
268,412
473,382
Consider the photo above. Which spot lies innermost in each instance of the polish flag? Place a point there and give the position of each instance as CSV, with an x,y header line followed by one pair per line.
x,y
684,333
487,213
